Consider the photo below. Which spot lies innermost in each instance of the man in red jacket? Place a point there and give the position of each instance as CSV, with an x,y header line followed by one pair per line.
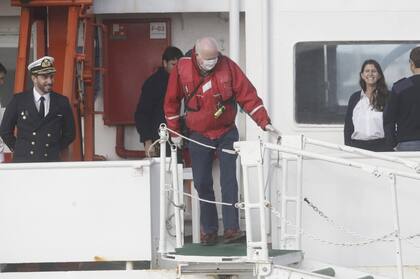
x,y
211,85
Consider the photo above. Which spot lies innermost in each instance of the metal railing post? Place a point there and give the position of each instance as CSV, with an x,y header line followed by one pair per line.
x,y
397,240
285,178
163,133
176,199
299,184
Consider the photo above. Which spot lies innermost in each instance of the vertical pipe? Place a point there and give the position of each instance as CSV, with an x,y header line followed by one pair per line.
x,y
396,226
23,49
89,99
262,209
248,224
181,200
195,212
299,184
283,226
265,53
175,185
69,77
162,211
40,39
265,74
234,23
234,54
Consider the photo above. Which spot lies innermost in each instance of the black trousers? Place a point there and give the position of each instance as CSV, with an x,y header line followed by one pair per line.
x,y
378,145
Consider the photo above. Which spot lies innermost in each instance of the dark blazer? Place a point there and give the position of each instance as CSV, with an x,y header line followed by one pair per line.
x,y
38,139
348,123
149,113
402,112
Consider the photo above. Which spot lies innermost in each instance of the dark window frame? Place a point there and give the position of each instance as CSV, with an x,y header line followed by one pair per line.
x,y
323,108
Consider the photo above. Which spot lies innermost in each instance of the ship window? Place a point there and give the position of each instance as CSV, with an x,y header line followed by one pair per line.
x,y
327,73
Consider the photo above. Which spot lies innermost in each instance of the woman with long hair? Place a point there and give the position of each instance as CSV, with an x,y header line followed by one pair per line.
x,y
363,127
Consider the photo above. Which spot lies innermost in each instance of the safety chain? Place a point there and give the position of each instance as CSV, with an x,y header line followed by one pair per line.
x,y
343,229
323,241
337,226
412,243
385,238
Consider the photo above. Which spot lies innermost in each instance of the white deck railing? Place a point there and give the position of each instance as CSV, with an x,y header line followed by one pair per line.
x,y
254,195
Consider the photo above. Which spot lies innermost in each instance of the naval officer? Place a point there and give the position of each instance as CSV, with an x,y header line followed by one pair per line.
x,y
43,119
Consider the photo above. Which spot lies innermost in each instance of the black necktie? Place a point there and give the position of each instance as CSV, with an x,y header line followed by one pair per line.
x,y
42,107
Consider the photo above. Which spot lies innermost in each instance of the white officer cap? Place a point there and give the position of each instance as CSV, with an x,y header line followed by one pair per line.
x,y
44,65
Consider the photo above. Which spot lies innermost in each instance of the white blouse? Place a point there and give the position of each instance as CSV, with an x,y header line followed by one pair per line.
x,y
367,122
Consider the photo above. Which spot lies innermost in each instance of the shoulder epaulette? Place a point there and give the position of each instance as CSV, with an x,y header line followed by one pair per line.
x,y
402,85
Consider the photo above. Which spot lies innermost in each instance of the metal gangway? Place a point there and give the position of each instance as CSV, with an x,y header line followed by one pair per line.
x,y
257,256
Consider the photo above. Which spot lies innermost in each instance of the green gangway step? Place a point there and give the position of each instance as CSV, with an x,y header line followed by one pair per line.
x,y
223,250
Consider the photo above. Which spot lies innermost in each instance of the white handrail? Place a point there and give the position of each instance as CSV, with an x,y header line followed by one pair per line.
x,y
411,164
378,171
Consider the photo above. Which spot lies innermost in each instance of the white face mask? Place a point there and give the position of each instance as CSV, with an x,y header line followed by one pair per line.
x,y
208,65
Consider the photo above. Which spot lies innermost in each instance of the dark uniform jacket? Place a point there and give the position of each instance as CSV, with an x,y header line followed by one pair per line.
x,y
149,113
38,139
402,112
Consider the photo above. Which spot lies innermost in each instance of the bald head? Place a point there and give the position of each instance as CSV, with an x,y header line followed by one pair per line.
x,y
207,47
207,52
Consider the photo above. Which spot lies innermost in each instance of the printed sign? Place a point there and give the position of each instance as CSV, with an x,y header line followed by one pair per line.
x,y
119,32
158,30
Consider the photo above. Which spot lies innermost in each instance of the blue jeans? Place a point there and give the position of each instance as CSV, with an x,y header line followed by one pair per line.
x,y
413,145
202,160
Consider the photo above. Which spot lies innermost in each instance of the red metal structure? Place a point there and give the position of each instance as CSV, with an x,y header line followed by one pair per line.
x,y
132,52
57,26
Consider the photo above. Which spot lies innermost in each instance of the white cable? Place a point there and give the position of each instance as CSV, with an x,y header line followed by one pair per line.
x,y
229,151
200,199
150,148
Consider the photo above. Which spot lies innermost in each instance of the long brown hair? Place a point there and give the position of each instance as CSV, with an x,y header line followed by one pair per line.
x,y
380,94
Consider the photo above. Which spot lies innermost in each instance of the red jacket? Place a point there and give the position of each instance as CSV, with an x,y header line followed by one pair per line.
x,y
226,85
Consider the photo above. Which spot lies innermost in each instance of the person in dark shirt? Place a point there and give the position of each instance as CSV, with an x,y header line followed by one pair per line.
x,y
402,113
149,113
3,73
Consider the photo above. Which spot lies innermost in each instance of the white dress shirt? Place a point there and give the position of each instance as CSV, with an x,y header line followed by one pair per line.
x,y
37,100
367,122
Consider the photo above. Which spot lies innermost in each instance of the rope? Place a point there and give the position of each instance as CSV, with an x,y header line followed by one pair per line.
x,y
229,151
